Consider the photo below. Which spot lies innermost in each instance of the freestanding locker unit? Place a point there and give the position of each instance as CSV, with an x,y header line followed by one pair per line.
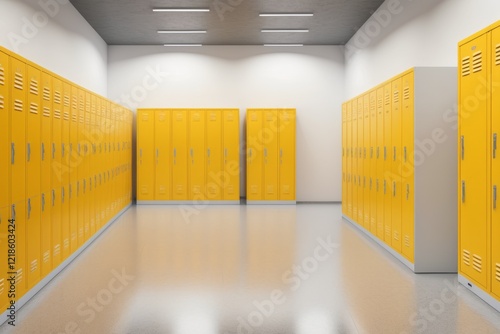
x,y
479,164
404,159
271,156
188,156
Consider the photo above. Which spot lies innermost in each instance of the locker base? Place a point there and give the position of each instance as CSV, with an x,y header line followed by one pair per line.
x,y
382,244
32,292
197,202
479,292
252,202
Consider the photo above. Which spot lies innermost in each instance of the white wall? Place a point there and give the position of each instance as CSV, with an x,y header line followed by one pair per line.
x,y
53,34
310,79
408,33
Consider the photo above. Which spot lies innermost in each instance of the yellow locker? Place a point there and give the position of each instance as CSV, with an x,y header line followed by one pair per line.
x,y
407,167
179,154
5,143
287,125
349,157
4,268
196,165
82,106
45,234
354,159
379,182
473,162
33,136
366,161
92,203
255,148
373,162
231,154
270,133
361,163
396,164
86,168
387,182
344,158
495,165
74,160
216,178
18,134
56,176
145,155
18,214
163,168
33,235
65,170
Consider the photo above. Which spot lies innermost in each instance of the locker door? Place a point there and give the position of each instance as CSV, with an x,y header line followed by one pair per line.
x,y
366,161
179,154
56,177
231,141
379,183
87,147
74,161
373,162
407,167
4,268
216,177
80,168
254,155
344,158
66,170
145,155
196,166
396,164
163,178
495,165
33,136
354,159
93,205
18,134
287,124
387,181
270,135
361,163
33,237
473,161
349,152
18,213
5,141
45,234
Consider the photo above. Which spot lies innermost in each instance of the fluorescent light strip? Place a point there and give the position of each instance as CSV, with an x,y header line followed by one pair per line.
x,y
182,10
286,14
182,31
181,45
287,45
284,30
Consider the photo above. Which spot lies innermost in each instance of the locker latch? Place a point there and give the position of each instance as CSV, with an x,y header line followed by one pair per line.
x,y
29,208
494,145
463,191
29,152
12,153
494,197
43,151
407,191
462,141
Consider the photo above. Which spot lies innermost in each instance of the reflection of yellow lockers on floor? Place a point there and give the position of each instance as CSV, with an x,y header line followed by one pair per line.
x,y
187,155
400,181
479,164
271,156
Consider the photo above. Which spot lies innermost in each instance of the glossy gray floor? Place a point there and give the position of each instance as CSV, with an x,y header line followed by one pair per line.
x,y
246,269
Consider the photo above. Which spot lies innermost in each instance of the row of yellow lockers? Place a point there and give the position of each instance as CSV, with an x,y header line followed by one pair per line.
x,y
271,157
382,130
479,163
188,154
65,169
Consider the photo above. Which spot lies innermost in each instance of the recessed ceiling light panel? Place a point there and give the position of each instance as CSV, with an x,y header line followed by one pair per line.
x,y
286,45
286,14
182,31
182,45
284,30
182,10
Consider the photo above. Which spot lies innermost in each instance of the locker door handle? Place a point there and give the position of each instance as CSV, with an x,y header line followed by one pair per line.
x,y
12,153
13,212
157,154
494,197
394,153
79,148
394,188
43,151
405,153
462,140
175,152
378,152
407,192
371,152
371,183
249,152
62,149
43,202
364,153
265,152
494,145
377,185
29,208
225,153
463,191
53,197
208,152
71,148
281,153
192,153
385,152
53,150
29,151
364,181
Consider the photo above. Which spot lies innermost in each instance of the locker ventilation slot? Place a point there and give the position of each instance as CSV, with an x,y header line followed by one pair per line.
x,y
46,94
57,114
46,112
396,96
387,99
388,231
466,257
497,55
477,62
407,241
2,102
82,104
18,81
18,105
75,103
57,97
34,266
34,108
66,243
46,256
66,101
466,66
406,93
497,271
477,263
82,119
74,118
57,250
396,235
66,116
19,275
34,87
2,76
